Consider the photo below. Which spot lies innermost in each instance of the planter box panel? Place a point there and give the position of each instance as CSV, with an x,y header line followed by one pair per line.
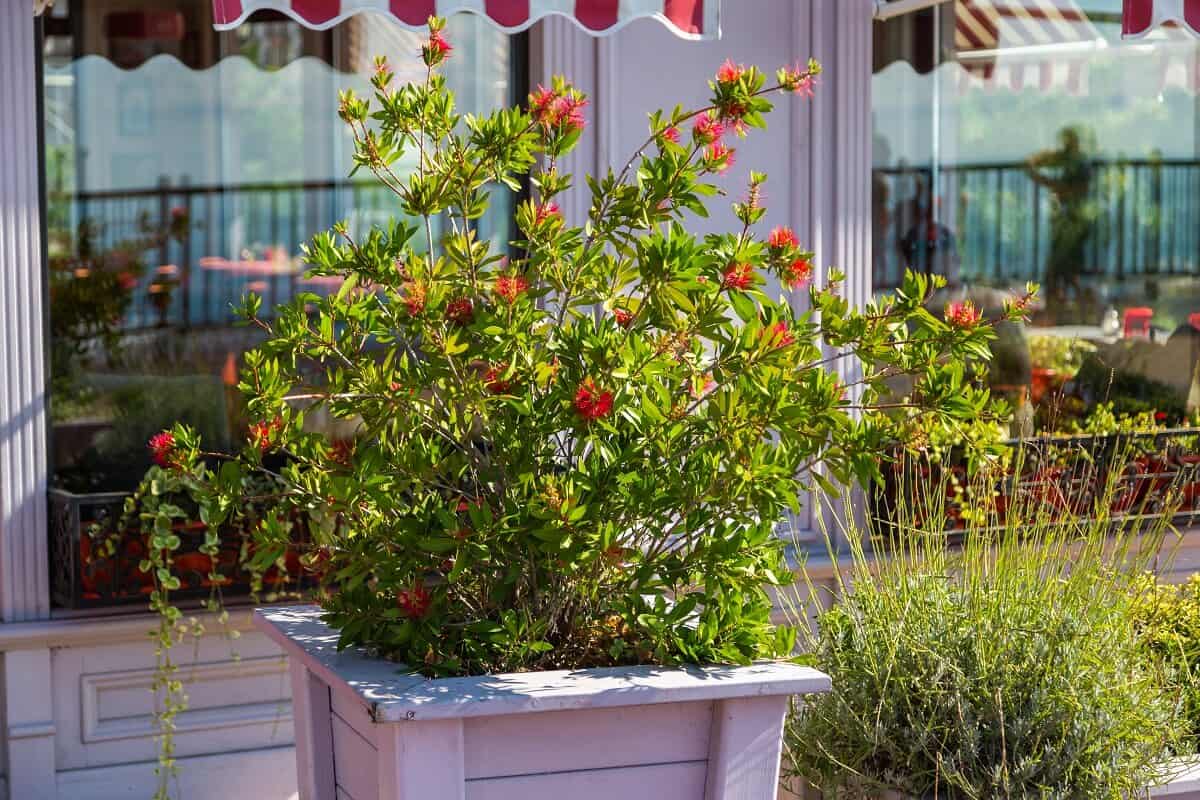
x,y
630,733
657,782
356,762
354,712
519,745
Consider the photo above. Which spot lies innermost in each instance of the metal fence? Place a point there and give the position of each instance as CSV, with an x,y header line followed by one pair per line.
x,y
1143,219
238,238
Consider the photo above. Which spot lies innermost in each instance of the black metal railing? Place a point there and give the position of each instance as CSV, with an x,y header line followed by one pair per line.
x,y
97,556
237,238
1121,475
1142,219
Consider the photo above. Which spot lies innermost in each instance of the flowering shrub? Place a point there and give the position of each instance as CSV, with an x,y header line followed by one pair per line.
x,y
572,452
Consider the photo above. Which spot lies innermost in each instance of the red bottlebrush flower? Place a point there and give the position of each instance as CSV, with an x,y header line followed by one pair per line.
x,y
568,112
1160,416
262,434
342,452
701,386
539,103
436,50
1019,306
179,214
614,554
460,311
963,315
708,129
127,281
719,157
552,109
671,134
738,276
782,238
798,273
414,298
494,379
545,212
778,335
162,448
730,72
624,318
591,402
414,601
797,80
510,287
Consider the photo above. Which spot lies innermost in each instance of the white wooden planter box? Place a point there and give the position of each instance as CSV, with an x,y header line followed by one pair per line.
x,y
367,731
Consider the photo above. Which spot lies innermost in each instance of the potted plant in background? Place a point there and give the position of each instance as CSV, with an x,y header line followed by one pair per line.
x,y
569,457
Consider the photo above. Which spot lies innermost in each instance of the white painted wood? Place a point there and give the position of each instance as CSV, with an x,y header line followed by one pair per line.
x,y
887,10
745,748
517,745
1184,784
81,632
421,761
354,711
314,733
239,697
29,725
658,782
24,570
396,696
356,765
268,774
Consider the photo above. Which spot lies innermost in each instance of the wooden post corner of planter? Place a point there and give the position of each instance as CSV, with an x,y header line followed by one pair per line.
x,y
745,746
422,760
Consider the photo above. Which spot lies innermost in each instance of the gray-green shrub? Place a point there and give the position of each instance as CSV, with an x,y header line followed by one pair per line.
x,y
1002,668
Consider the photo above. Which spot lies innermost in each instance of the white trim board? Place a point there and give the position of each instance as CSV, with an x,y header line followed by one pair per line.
x,y
267,774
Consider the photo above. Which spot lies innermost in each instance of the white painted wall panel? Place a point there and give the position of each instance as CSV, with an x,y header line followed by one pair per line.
x,y
103,708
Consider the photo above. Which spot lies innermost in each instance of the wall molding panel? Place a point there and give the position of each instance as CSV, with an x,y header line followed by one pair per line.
x,y
106,703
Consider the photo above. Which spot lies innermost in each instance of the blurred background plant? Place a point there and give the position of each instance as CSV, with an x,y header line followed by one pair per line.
x,y
1167,617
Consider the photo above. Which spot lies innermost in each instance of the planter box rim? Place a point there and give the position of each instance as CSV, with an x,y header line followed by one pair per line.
x,y
393,695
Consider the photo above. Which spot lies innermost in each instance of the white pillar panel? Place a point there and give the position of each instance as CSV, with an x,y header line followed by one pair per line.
x,y
24,578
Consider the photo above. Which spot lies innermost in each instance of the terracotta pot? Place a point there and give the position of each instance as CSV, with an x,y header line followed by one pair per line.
x,y
366,729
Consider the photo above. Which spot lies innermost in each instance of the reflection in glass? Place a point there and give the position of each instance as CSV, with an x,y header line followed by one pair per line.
x,y
1023,140
185,168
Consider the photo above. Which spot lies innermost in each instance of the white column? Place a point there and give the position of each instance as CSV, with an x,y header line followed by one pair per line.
x,y
831,163
24,579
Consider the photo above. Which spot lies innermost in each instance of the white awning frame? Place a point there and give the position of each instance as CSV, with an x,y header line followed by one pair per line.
x,y
897,8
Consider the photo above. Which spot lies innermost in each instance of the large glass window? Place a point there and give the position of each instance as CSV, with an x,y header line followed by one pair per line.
x,y
1023,140
184,168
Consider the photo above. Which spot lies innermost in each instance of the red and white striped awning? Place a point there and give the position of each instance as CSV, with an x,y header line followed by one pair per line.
x,y
1024,43
1143,16
691,19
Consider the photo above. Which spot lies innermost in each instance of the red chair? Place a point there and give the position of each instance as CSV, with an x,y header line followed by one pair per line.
x,y
1137,322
